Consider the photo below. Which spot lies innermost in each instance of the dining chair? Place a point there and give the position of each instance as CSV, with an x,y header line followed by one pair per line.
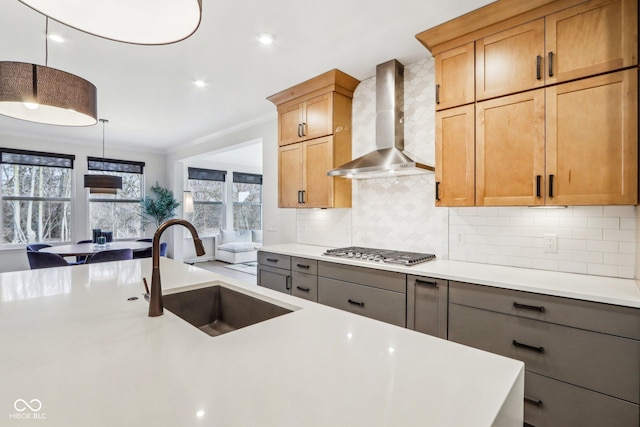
x,y
110,255
45,260
35,247
81,259
148,253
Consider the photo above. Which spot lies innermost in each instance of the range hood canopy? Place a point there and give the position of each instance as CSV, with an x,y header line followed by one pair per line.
x,y
388,159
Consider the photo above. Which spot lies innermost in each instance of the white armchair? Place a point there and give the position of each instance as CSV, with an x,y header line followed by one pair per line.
x,y
238,246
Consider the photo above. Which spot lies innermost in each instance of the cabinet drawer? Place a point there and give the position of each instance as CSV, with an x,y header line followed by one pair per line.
x,y
304,265
304,285
274,260
600,362
609,319
277,279
388,280
427,305
379,304
551,403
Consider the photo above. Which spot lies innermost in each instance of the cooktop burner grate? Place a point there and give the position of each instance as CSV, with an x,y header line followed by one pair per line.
x,y
380,255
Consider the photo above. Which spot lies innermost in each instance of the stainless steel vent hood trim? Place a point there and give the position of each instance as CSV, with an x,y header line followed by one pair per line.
x,y
389,158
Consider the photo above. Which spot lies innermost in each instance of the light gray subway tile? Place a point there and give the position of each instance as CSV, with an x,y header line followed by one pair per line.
x,y
604,222
627,260
587,211
627,247
627,223
619,235
588,257
587,233
626,272
573,244
545,264
602,246
521,262
572,267
603,270
620,211
573,221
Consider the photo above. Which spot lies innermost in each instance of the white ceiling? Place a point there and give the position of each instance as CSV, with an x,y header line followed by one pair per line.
x,y
146,92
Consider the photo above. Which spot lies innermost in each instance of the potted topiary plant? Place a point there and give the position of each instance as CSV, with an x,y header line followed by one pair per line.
x,y
160,207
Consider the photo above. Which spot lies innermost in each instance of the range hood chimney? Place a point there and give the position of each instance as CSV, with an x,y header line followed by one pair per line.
x,y
388,159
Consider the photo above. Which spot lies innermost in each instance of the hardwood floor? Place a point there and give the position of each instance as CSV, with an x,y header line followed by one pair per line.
x,y
220,268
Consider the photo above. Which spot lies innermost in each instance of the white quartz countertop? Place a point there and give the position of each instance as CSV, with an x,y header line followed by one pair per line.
x,y
77,352
608,290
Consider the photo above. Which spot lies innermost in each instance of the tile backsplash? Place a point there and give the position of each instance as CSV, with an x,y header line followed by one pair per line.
x,y
399,213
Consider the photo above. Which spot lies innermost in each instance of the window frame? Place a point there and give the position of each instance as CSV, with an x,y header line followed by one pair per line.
x,y
247,178
38,161
215,175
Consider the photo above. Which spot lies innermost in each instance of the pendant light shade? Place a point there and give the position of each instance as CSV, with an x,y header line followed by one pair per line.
x,y
130,21
188,202
45,95
103,184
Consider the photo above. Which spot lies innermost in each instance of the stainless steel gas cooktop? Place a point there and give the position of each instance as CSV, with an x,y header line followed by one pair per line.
x,y
380,255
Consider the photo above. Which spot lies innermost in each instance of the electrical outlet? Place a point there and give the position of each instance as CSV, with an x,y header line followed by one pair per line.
x,y
550,243
460,238
271,226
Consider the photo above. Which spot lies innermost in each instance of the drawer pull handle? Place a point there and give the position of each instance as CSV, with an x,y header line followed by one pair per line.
x,y
359,304
437,94
437,190
287,286
551,64
300,288
272,259
529,307
306,267
528,347
538,68
426,283
535,402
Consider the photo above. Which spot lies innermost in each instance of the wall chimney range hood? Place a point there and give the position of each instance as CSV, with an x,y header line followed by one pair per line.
x,y
388,159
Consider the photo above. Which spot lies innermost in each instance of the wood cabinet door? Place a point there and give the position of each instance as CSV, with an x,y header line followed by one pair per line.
x,y
290,124
455,77
318,160
318,117
510,150
455,156
592,38
510,61
592,140
290,165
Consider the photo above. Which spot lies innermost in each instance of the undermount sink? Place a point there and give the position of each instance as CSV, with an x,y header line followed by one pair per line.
x,y
216,310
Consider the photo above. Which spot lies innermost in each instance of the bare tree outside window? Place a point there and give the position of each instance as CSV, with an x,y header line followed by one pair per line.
x,y
36,203
208,206
247,206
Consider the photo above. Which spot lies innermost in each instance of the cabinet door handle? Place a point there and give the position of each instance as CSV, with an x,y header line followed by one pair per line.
x,y
437,94
550,186
536,402
299,130
529,307
538,186
299,196
272,259
304,126
528,347
426,283
302,289
437,190
306,267
539,67
352,302
286,283
551,64
303,194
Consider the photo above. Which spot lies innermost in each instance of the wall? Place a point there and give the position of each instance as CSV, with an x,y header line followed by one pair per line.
x,y
399,213
13,259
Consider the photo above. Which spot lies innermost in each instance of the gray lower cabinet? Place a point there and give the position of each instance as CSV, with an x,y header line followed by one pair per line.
x,y
304,278
427,303
572,371
377,294
274,271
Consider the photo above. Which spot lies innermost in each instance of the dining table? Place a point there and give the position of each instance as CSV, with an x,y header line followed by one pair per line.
x,y
86,249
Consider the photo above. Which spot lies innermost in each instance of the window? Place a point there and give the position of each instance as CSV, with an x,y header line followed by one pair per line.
x,y
247,201
119,213
207,188
36,196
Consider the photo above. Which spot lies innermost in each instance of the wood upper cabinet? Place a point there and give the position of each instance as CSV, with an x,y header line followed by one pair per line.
x,y
455,160
455,77
314,136
592,140
510,150
510,61
305,120
591,38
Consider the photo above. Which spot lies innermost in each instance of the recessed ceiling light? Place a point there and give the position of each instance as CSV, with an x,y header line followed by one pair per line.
x,y
56,38
199,83
266,38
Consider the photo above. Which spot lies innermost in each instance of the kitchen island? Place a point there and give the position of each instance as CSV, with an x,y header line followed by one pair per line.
x,y
78,352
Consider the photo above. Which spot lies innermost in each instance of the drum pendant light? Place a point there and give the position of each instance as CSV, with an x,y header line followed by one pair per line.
x,y
45,95
130,21
103,184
